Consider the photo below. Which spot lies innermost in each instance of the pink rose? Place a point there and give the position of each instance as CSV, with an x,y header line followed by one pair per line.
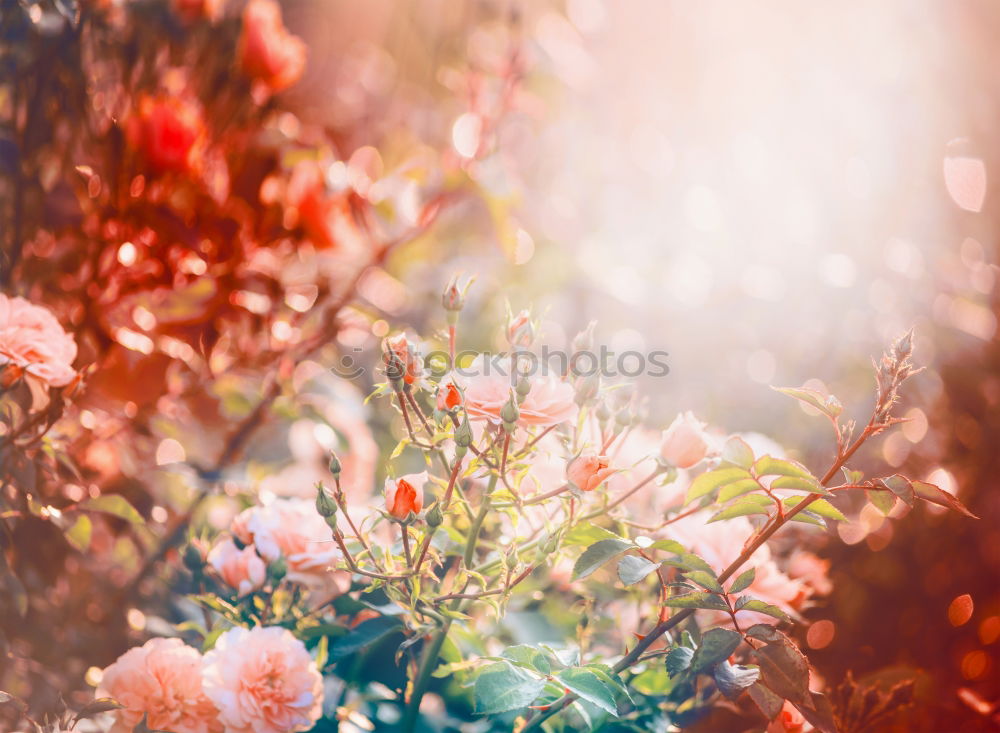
x,y
685,441
162,680
242,569
401,356
588,471
448,396
169,132
549,402
405,494
32,339
268,52
263,681
291,528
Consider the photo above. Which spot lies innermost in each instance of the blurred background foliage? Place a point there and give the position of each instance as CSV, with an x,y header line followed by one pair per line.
x,y
769,193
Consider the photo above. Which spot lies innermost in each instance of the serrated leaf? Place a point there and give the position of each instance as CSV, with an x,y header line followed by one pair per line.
x,y
737,452
708,601
678,660
732,679
826,404
632,569
769,703
743,580
611,679
79,534
935,495
784,669
709,481
116,505
587,533
529,656
597,554
667,546
799,483
771,466
884,501
96,707
716,645
738,488
819,713
765,608
589,686
705,580
744,506
820,508
901,487
501,687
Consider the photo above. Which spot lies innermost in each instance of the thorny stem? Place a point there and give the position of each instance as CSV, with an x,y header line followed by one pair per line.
x,y
763,536
406,545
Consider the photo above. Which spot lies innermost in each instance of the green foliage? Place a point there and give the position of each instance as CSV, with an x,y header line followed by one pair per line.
x,y
732,679
826,404
364,635
597,554
590,686
715,646
708,601
632,569
501,687
743,581
115,505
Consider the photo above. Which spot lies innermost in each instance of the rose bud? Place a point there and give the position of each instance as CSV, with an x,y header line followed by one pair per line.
x,y
335,466
267,51
405,495
325,505
520,329
448,396
509,413
453,297
588,471
402,359
684,443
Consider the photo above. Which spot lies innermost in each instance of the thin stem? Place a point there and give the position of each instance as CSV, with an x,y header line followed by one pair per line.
x,y
406,546
422,680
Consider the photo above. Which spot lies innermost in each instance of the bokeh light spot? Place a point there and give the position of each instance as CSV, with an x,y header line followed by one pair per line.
x,y
820,634
960,610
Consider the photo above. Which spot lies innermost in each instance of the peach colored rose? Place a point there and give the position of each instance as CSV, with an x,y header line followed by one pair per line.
x,y
32,340
263,681
588,471
242,569
169,132
549,402
685,441
405,494
162,680
267,51
291,528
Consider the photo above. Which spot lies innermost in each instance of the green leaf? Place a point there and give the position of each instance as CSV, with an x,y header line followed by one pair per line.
x,y
590,687
826,404
529,656
819,713
116,505
818,508
709,481
771,466
363,635
901,487
732,679
597,554
501,687
765,608
586,533
884,501
743,580
716,645
769,703
633,568
611,679
784,669
667,546
799,483
678,660
745,505
705,580
933,494
738,488
696,599
79,534
737,452
690,561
